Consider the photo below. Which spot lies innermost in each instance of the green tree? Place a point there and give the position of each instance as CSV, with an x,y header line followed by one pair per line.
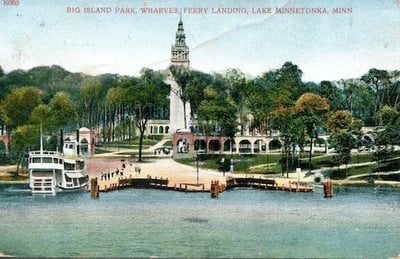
x,y
378,81
195,89
387,134
291,132
261,100
23,138
394,88
47,79
40,115
217,113
115,100
274,90
342,141
90,97
62,113
339,120
345,135
329,91
311,108
17,106
358,100
148,96
289,82
238,91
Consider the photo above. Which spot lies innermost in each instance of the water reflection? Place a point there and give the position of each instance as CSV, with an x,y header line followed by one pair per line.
x,y
356,222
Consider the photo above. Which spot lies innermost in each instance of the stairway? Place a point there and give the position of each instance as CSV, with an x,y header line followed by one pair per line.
x,y
43,185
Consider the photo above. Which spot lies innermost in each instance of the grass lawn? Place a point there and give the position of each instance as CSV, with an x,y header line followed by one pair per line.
x,y
270,164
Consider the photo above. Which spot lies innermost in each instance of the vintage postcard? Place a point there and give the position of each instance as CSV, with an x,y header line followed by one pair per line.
x,y
205,129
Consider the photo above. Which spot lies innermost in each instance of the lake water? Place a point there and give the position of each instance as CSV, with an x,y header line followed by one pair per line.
x,y
356,222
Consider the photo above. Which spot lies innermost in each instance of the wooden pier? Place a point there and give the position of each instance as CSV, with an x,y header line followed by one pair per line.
x,y
215,188
268,184
190,187
129,182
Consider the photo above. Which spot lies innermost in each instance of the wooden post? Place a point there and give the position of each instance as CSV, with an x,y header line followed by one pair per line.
x,y
328,189
94,188
214,189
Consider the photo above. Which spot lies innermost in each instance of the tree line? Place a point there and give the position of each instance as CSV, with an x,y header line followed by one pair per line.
x,y
230,103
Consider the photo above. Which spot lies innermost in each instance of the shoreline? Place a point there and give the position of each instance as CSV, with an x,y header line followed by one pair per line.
x,y
179,173
156,168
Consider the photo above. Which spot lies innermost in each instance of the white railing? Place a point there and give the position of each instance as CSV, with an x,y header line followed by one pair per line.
x,y
43,185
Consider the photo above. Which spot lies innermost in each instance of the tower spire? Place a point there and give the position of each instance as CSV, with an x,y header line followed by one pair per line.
x,y
180,51
179,111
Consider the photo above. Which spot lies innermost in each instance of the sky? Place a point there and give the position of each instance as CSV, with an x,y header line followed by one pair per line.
x,y
324,45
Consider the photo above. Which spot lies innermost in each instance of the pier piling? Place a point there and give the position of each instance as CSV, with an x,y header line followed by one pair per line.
x,y
214,189
94,188
328,189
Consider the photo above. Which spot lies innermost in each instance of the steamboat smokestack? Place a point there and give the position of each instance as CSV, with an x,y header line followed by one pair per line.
x,y
61,141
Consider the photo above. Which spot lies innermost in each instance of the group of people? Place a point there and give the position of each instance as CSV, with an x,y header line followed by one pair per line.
x,y
163,150
117,172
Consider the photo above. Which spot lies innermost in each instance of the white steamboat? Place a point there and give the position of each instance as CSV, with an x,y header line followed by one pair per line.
x,y
52,171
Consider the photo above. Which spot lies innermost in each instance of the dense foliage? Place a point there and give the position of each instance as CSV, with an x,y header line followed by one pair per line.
x,y
118,107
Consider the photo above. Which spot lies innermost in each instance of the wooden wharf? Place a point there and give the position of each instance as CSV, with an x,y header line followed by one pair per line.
x,y
129,182
268,184
116,183
191,187
216,188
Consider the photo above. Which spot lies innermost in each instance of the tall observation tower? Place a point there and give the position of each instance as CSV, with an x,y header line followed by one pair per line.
x,y
180,51
179,116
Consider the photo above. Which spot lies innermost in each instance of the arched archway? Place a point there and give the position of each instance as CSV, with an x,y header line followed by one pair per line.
x,y
214,145
182,145
367,141
200,145
244,146
274,145
229,145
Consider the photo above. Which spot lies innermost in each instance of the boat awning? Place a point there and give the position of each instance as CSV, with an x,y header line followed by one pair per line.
x,y
74,175
69,161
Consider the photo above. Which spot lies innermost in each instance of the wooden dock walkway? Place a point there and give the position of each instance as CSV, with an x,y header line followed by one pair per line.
x,y
106,184
267,184
129,182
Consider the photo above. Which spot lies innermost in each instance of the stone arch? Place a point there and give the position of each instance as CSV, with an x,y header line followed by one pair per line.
x,y
166,129
182,145
367,140
200,145
245,146
214,145
229,145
